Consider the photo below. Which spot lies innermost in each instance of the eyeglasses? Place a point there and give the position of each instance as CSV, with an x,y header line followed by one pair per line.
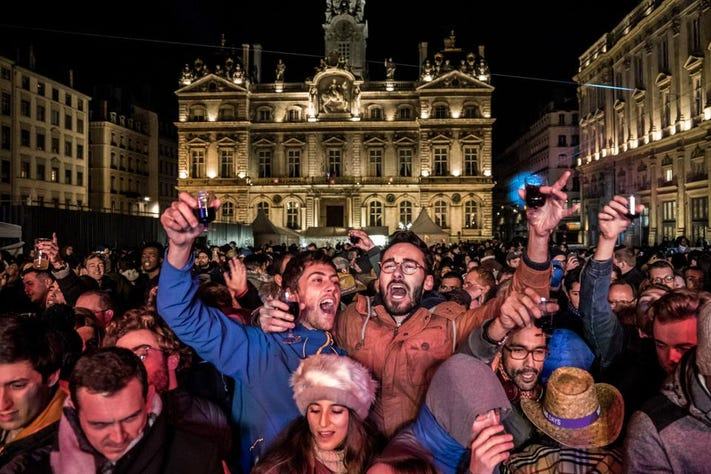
x,y
668,279
143,351
408,267
620,302
520,353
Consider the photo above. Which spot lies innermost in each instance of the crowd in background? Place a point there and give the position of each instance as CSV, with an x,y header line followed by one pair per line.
x,y
523,356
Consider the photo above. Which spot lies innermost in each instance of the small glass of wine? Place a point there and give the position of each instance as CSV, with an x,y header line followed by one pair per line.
x,y
204,212
534,197
549,307
631,208
287,296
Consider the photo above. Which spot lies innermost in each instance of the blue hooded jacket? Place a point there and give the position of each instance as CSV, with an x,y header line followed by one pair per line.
x,y
260,363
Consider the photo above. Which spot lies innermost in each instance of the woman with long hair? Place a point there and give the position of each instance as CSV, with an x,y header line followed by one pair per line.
x,y
334,394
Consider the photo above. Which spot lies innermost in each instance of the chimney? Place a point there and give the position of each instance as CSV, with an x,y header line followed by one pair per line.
x,y
32,59
423,54
71,78
245,59
481,51
104,110
257,63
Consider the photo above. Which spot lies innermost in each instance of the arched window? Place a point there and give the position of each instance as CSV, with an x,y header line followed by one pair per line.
x,y
197,113
264,207
292,215
440,213
404,112
405,212
228,211
264,114
375,214
227,112
376,113
470,111
471,215
293,115
441,111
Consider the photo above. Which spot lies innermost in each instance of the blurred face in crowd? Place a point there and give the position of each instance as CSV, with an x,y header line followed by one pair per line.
x,y
150,259
514,262
402,292
55,295
158,363
679,282
319,294
69,250
694,279
620,297
202,260
23,394
328,423
476,288
524,372
662,276
448,284
36,286
574,295
92,302
95,268
112,421
672,340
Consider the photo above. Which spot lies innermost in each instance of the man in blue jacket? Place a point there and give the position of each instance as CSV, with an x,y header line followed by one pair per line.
x,y
260,363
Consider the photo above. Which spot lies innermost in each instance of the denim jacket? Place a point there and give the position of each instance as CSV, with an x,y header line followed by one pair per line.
x,y
603,330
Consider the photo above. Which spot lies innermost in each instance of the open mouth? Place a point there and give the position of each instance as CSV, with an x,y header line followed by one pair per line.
x,y
398,291
326,435
328,305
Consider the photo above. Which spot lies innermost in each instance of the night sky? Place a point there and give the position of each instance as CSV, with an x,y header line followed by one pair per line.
x,y
532,39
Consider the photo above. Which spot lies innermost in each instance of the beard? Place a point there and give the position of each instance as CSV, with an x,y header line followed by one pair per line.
x,y
405,307
517,375
159,379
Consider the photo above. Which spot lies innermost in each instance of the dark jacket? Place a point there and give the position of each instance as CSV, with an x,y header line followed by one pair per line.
x,y
35,441
672,432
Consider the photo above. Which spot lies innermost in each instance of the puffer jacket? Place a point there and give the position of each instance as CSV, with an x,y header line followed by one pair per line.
x,y
404,358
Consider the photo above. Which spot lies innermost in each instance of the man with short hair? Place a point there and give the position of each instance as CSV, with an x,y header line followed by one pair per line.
x,y
694,278
99,303
260,363
30,397
661,273
116,423
626,260
151,260
671,432
621,295
37,285
449,282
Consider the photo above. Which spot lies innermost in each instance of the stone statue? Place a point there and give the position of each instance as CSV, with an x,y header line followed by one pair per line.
x,y
463,65
313,92
355,103
332,99
280,69
187,76
471,62
238,74
359,10
219,71
389,69
427,69
229,66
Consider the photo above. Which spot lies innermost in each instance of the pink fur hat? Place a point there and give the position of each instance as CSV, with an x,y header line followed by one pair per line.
x,y
338,379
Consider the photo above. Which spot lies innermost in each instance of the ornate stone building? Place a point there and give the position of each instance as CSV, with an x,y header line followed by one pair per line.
x,y
646,131
337,149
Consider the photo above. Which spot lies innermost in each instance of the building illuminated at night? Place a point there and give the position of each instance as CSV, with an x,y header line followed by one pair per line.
x,y
646,130
341,149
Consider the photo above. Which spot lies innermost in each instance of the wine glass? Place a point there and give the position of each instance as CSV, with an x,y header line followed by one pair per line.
x,y
534,197
289,297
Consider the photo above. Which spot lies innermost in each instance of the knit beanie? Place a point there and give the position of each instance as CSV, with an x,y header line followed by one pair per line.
x,y
338,379
703,348
462,389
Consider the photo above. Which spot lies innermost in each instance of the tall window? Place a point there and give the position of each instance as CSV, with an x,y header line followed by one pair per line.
x,y
471,161
40,140
375,162
441,161
5,103
376,113
264,114
404,158
639,72
641,126
620,128
68,145
292,215
344,49
227,163
669,219
562,140
228,211
405,113
375,214
699,218
694,35
25,108
264,161
197,163
294,115
663,55
67,176
666,111
334,162
406,212
440,214
561,119
697,95
41,113
293,162
441,111
471,215
264,207
470,111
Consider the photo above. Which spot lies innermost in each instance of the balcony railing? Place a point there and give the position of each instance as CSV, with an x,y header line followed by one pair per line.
x,y
693,177
666,182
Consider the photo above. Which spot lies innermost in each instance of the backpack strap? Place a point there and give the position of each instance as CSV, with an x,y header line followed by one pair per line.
x,y
662,411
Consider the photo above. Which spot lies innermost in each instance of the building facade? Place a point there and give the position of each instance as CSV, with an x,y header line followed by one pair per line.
x,y
338,150
646,131
547,149
43,140
167,164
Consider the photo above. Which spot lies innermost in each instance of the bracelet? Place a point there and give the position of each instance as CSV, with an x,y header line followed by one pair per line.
x,y
485,336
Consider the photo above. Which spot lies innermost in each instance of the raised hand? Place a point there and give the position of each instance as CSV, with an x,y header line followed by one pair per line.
x,y
544,220
364,243
491,444
51,248
613,220
274,316
180,224
519,310
236,278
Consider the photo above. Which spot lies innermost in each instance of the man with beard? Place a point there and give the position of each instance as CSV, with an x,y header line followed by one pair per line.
x,y
260,363
402,342
146,335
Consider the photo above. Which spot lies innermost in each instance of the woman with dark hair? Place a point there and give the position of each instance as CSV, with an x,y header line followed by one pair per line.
x,y
334,395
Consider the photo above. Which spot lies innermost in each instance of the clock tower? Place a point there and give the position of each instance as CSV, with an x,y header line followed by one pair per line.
x,y
346,32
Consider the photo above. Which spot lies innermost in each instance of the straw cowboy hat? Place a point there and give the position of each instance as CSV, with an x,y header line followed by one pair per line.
x,y
575,411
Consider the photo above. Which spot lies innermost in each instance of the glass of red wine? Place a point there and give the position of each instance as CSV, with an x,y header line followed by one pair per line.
x,y
534,197
204,212
289,297
631,208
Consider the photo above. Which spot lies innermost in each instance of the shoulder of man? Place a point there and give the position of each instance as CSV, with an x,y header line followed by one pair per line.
x,y
662,411
450,310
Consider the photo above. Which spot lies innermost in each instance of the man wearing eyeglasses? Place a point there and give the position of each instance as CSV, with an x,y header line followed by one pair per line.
x,y
661,273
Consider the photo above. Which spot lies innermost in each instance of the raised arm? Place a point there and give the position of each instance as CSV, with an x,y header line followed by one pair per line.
x,y
602,328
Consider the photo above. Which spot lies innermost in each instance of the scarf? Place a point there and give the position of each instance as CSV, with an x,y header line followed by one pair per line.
x,y
514,393
333,460
51,414
446,452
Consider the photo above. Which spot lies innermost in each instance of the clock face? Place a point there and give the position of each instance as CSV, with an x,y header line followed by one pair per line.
x,y
344,29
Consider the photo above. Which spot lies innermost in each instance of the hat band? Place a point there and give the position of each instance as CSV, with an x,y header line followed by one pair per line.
x,y
572,423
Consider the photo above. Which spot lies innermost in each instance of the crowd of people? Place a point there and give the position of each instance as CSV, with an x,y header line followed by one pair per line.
x,y
488,357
